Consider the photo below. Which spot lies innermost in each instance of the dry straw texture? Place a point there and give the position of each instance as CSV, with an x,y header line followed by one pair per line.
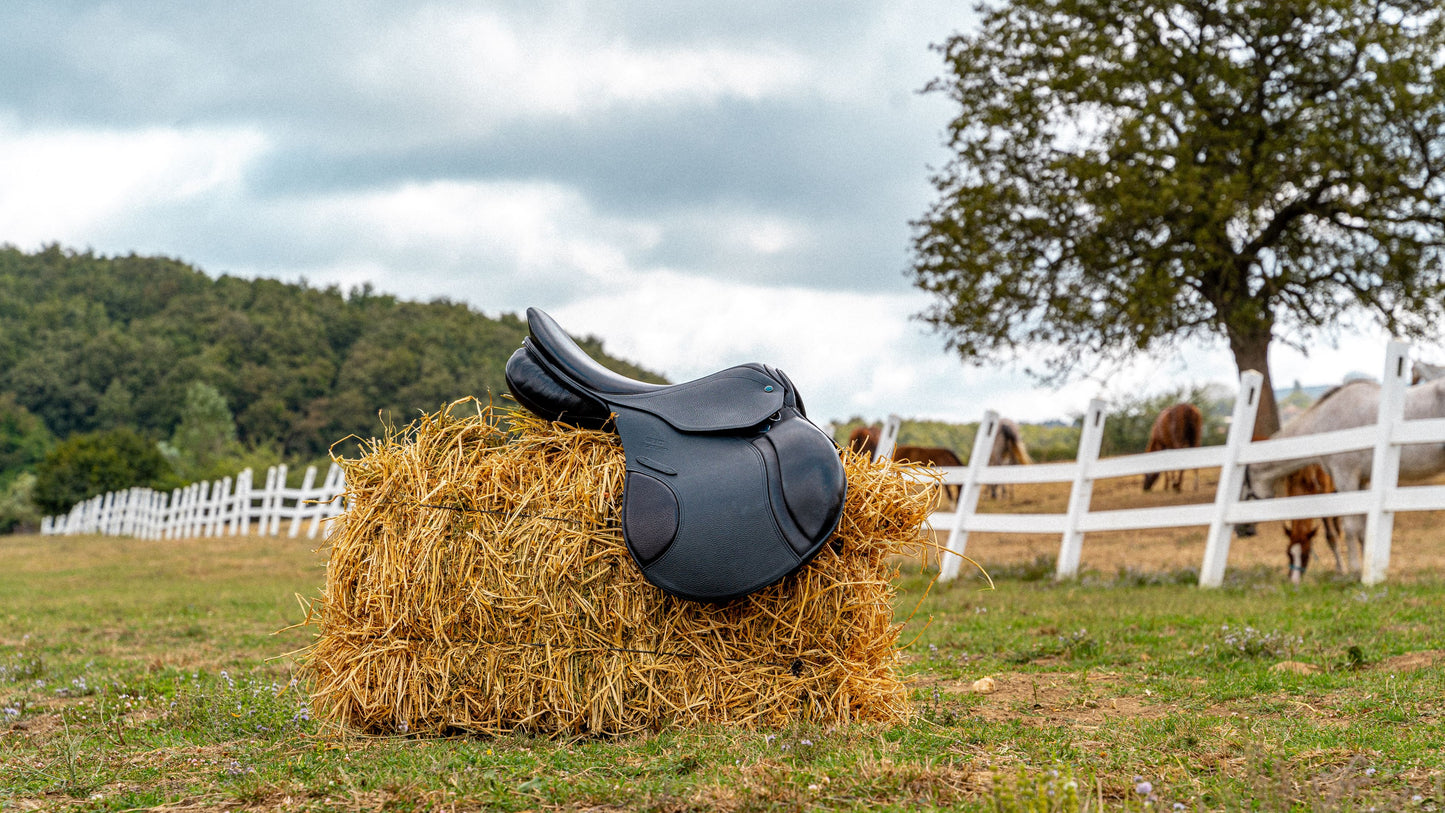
x,y
479,582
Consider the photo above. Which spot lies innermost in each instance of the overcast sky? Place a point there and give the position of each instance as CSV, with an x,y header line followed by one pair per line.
x,y
697,185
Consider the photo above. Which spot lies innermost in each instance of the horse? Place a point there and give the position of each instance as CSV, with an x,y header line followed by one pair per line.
x,y
1178,427
936,456
1352,404
1422,372
1008,450
864,440
1312,479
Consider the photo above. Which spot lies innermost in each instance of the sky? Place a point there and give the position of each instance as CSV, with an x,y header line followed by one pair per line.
x,y
697,184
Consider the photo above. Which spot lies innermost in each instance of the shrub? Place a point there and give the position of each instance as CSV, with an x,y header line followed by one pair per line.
x,y
94,463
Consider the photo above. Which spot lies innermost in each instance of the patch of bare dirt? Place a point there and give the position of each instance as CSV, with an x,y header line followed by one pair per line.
x,y
1410,661
1087,699
1418,545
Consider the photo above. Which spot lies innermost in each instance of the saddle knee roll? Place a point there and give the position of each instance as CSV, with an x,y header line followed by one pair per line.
x,y
649,515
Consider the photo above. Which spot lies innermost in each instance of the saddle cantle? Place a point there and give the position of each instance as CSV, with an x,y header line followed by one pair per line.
x,y
729,487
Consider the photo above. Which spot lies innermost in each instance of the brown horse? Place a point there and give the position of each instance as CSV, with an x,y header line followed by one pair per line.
x,y
936,456
1008,450
1312,479
864,440
1178,427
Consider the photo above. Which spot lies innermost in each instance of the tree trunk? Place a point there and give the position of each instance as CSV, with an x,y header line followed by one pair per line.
x,y
1251,352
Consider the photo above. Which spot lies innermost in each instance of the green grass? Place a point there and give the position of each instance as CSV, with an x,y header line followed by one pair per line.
x,y
148,674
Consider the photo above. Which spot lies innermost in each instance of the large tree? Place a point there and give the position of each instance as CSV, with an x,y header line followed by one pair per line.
x,y
1128,176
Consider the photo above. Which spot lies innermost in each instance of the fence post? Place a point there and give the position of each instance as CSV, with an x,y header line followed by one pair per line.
x,y
306,483
331,494
1231,478
173,512
1071,546
1385,468
241,505
968,494
888,438
221,507
278,501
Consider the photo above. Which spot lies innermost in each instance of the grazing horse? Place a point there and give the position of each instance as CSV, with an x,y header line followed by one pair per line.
x,y
1178,427
864,440
1312,479
1008,450
1352,404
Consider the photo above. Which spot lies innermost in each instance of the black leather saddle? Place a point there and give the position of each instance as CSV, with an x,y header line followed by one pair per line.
x,y
729,487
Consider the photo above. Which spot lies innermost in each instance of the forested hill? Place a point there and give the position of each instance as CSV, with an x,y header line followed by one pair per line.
x,y
89,342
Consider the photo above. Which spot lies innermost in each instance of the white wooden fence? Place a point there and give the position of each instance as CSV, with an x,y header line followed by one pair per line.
x,y
208,508
1378,504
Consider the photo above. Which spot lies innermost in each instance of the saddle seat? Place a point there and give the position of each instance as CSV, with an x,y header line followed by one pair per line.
x,y
729,487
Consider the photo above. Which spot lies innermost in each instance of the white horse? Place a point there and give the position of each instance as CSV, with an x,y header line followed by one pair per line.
x,y
1355,403
1427,372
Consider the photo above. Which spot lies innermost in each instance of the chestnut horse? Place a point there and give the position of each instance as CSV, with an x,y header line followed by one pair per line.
x,y
1312,479
864,440
1178,427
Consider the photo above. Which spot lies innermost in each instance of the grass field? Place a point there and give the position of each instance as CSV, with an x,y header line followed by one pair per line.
x,y
138,675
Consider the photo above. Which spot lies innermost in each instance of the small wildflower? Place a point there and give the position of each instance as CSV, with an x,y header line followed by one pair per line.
x,y
1144,788
1369,772
806,742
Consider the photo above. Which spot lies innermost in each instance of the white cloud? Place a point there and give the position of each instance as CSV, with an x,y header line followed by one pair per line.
x,y
70,185
484,68
849,353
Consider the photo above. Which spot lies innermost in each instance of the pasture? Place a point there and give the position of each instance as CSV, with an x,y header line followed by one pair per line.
x,y
152,674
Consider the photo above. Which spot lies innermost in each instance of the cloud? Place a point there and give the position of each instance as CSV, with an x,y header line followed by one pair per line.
x,y
75,185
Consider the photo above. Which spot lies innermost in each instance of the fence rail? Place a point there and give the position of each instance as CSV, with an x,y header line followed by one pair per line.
x,y
220,508
1378,503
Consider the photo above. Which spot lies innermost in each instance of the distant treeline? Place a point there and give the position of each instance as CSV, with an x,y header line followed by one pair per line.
x,y
121,371
90,342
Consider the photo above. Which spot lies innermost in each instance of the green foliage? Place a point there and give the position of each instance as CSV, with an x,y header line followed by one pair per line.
x,y
24,439
1130,175
17,504
204,444
92,463
1130,417
90,342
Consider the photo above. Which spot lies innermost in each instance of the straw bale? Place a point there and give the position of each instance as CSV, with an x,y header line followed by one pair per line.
x,y
478,581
